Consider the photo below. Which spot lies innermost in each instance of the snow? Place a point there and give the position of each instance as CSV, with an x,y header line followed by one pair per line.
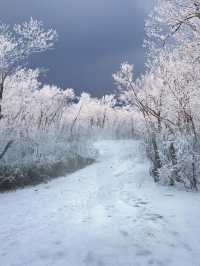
x,y
108,214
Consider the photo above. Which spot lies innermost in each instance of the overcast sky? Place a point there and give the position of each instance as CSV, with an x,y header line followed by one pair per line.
x,y
95,36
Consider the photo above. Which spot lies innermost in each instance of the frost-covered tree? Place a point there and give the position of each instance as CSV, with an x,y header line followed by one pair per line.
x,y
173,31
173,22
18,43
167,96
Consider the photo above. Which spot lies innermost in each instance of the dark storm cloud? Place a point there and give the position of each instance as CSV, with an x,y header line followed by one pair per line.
x,y
95,36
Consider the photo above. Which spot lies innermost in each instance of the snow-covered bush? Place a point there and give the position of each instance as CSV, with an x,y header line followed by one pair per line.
x,y
35,127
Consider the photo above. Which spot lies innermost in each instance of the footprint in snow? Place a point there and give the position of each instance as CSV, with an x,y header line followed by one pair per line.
x,y
154,216
142,202
92,260
124,233
143,253
155,262
57,243
137,205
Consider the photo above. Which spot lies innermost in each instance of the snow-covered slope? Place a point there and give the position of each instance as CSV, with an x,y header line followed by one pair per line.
x,y
108,214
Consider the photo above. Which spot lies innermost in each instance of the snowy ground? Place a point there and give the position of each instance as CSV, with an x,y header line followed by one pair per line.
x,y
108,214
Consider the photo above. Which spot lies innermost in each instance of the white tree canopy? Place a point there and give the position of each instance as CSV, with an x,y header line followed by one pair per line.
x,y
19,42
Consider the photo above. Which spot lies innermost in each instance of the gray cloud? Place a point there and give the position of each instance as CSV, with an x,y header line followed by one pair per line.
x,y
95,36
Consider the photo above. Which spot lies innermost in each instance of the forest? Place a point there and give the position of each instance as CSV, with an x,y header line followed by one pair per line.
x,y
102,181
44,127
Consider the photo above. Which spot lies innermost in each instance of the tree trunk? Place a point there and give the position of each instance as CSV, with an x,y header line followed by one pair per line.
x,y
193,182
8,145
159,123
174,174
157,162
1,97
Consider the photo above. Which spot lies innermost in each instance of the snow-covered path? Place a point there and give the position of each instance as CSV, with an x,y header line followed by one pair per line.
x,y
108,214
